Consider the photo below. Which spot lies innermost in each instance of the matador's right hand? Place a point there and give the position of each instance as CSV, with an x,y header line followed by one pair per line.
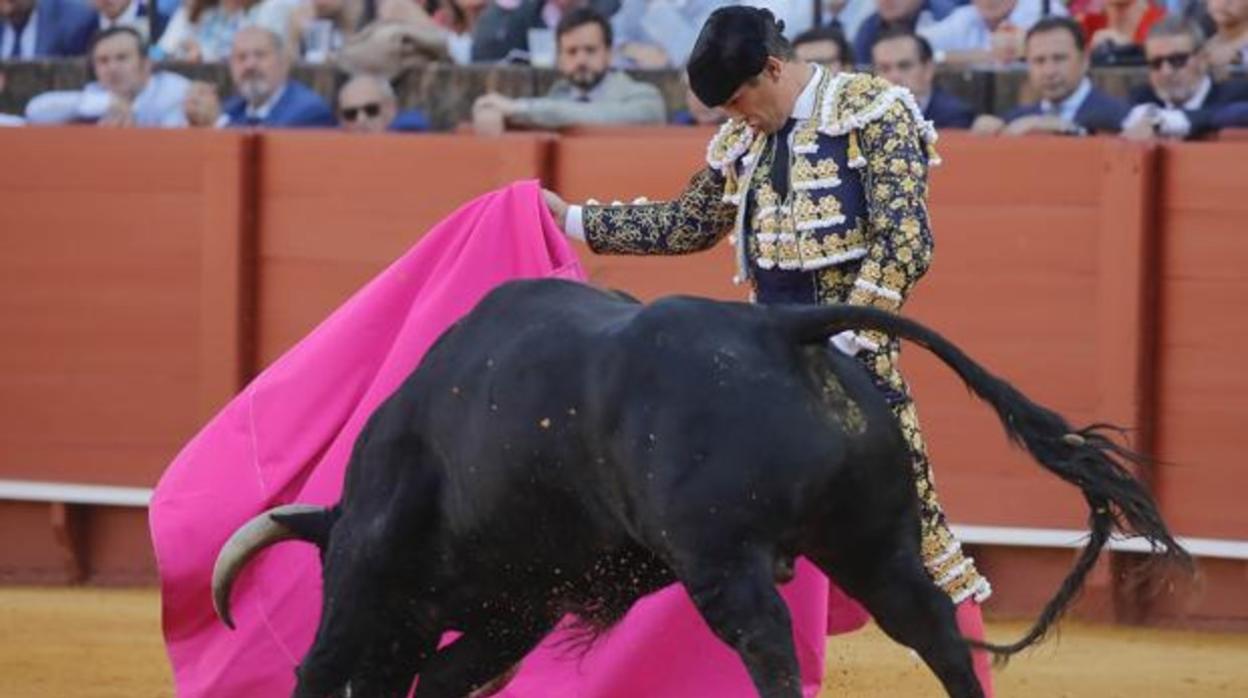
x,y
558,208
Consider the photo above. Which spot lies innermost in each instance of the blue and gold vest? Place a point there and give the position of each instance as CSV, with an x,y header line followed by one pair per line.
x,y
823,220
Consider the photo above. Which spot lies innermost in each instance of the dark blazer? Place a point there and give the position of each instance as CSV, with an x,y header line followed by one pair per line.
x,y
1212,114
501,31
1099,113
408,121
298,106
63,28
155,25
945,110
1233,115
873,26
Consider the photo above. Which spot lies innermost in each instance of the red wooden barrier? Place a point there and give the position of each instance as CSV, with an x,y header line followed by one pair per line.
x,y
123,292
147,274
335,209
1202,382
120,285
623,164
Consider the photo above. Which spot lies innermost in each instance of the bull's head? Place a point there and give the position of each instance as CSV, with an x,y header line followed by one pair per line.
x,y
290,522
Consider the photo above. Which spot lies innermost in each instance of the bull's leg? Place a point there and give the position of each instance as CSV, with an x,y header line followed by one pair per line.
x,y
891,582
351,614
738,599
479,656
364,600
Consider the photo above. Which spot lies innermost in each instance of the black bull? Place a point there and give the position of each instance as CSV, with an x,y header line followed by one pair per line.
x,y
563,449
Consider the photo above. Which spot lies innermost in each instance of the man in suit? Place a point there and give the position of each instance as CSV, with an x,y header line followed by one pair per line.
x,y
1057,70
986,31
588,93
140,15
125,91
367,104
1181,99
44,28
502,30
260,69
904,58
827,46
898,15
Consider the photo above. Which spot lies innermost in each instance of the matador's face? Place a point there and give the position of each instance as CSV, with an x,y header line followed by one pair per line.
x,y
762,101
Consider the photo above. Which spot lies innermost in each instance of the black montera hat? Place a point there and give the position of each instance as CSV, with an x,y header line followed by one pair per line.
x,y
730,50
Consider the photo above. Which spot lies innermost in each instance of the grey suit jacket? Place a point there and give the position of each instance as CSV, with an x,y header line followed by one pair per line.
x,y
618,99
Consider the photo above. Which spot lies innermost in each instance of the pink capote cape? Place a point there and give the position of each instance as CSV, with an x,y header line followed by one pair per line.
x,y
287,437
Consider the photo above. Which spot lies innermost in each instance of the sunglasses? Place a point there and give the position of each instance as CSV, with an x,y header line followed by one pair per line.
x,y
371,110
1176,61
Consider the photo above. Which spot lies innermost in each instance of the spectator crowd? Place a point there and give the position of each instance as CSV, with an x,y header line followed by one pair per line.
x,y
1192,51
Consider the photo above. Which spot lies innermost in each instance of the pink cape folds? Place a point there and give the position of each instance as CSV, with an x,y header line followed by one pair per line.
x,y
287,437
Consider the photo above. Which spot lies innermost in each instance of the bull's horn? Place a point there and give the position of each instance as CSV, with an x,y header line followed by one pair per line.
x,y
250,538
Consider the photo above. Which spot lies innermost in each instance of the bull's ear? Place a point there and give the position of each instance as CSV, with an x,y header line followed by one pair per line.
x,y
312,526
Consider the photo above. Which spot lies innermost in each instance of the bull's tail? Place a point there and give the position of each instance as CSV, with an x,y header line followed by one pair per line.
x,y
1083,457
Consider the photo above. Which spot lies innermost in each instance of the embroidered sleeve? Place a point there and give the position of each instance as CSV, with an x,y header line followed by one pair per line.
x,y
691,222
895,181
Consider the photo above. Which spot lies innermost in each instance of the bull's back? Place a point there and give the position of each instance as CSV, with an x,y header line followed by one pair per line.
x,y
501,397
542,315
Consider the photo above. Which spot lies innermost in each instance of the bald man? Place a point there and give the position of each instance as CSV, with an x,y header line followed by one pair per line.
x,y
267,97
367,104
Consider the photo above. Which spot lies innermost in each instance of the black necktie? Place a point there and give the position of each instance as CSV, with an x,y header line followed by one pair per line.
x,y
16,52
780,159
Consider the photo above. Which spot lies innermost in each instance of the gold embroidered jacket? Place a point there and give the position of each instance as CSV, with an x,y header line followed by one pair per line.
x,y
853,227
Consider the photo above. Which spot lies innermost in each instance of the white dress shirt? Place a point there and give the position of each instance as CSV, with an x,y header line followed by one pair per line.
x,y
26,49
1169,119
160,103
1197,99
259,113
1068,107
134,17
965,29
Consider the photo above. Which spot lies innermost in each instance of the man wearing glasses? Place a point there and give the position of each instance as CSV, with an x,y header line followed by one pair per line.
x,y
367,104
1057,72
904,58
1181,100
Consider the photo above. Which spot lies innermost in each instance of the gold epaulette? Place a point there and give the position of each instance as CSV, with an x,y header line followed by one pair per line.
x,y
856,99
733,140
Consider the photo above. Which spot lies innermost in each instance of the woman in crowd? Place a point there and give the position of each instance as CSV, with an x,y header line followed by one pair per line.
x,y
456,16
1120,22
1229,43
203,30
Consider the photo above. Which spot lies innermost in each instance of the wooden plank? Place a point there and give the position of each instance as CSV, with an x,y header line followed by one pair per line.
x,y
227,273
1201,384
334,209
100,300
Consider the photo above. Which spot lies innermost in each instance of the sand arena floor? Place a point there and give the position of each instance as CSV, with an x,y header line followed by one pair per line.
x,y
93,643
